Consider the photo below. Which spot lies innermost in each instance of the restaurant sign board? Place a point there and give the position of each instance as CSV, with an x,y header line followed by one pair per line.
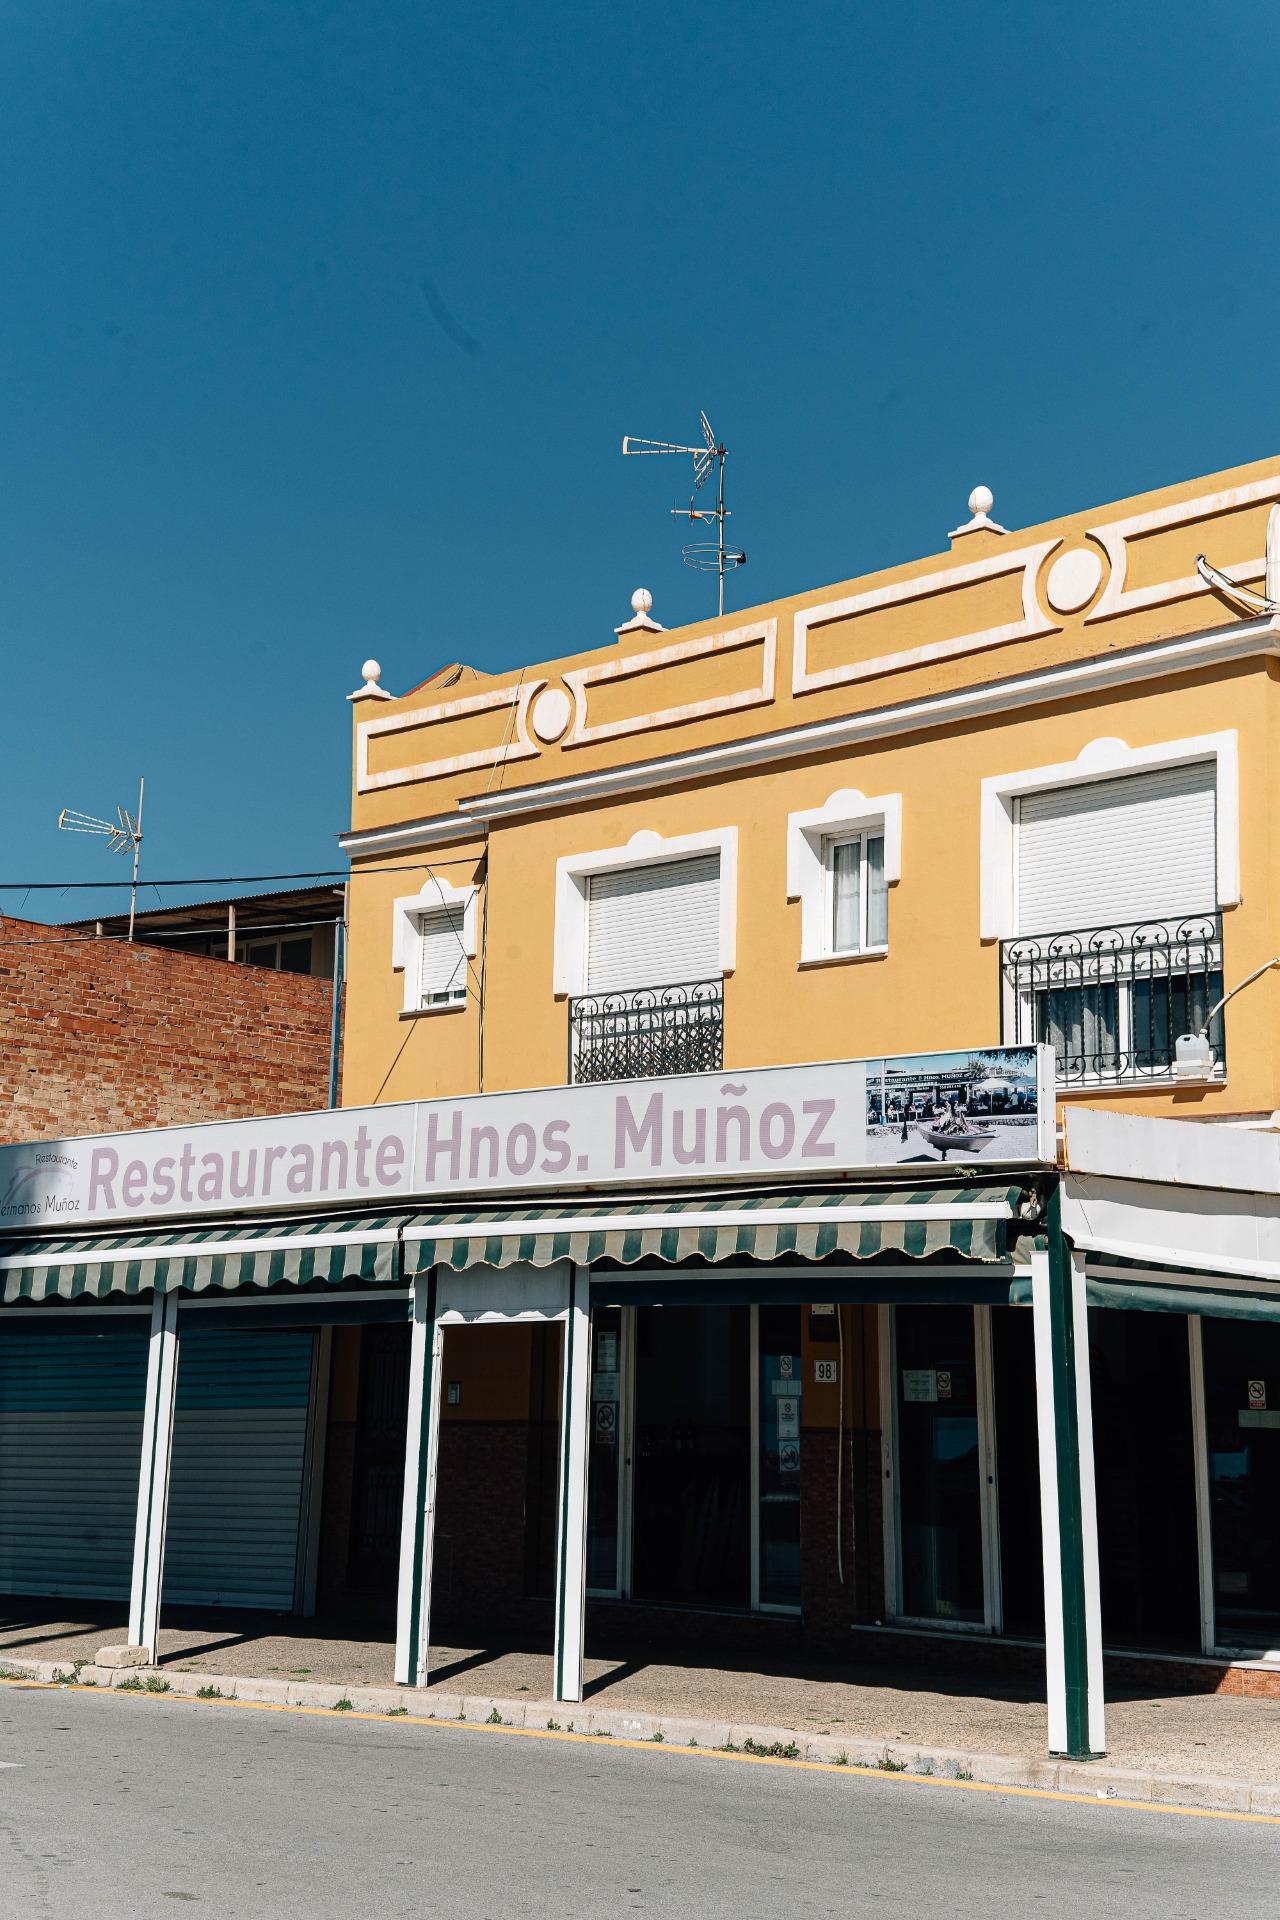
x,y
981,1106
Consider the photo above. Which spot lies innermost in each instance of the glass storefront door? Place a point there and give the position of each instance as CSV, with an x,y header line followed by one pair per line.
x,y
779,1388
693,1490
691,1531
939,1464
1144,1474
1242,1433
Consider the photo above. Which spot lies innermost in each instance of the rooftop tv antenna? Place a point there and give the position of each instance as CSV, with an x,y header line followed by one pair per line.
x,y
120,834
704,556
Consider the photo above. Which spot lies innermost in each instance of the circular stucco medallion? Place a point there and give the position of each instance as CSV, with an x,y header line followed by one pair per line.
x,y
1073,579
550,714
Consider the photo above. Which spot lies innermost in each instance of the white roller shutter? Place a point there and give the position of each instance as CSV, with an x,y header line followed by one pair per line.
x,y
239,1465
71,1403
442,960
1109,852
654,926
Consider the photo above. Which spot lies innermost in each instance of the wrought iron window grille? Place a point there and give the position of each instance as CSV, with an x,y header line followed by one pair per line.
x,y
1112,1001
642,1033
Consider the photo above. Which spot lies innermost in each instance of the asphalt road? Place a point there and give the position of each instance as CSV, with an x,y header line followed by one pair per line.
x,y
128,1809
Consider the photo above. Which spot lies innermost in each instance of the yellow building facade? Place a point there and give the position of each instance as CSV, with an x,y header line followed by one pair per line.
x,y
1019,792
950,686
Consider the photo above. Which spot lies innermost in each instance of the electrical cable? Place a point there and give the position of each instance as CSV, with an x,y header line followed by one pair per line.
x,y
226,879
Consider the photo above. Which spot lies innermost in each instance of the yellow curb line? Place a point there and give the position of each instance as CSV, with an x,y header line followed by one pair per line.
x,y
885,1774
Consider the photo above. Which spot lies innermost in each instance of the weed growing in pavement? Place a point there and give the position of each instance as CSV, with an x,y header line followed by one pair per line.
x,y
658,1737
61,1678
604,1733
156,1684
394,1713
693,1743
553,1726
927,1769
886,1765
728,1747
963,1773
131,1685
496,1720
522,1689
13,1673
776,1750
343,1705
210,1693
842,1758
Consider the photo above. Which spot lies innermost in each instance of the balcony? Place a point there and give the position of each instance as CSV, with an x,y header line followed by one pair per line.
x,y
1113,1000
645,1032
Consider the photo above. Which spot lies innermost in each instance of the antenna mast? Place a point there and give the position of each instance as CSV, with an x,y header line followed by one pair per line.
x,y
704,556
123,832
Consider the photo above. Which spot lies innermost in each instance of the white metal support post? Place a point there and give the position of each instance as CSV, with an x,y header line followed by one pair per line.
x,y
153,1478
421,1467
1068,1506
571,1543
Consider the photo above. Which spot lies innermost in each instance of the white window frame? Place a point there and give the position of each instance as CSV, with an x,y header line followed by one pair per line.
x,y
1101,760
811,838
866,949
408,915
574,873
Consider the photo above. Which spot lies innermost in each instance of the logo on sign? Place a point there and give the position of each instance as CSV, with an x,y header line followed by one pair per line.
x,y
606,1423
1257,1396
944,1384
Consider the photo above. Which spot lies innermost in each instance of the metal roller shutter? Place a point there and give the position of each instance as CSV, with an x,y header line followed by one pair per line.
x,y
1111,852
654,926
71,1401
239,1467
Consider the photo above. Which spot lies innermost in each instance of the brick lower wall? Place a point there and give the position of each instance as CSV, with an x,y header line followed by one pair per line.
x,y
479,1572
98,1035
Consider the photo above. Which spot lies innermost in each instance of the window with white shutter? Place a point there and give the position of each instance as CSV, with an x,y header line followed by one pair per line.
x,y
441,958
1107,852
1118,948
654,925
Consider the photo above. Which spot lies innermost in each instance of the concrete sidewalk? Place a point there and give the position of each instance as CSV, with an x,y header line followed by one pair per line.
x,y
1100,1779
969,1721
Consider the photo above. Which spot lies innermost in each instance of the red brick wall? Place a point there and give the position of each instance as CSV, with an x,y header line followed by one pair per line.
x,y
97,1035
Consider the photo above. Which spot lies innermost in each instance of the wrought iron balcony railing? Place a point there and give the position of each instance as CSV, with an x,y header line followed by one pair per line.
x,y
647,1031
1113,1000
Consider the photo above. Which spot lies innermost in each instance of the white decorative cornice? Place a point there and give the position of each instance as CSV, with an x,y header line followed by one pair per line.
x,y
1074,680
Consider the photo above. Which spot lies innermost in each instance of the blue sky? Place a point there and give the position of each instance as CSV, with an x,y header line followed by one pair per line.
x,y
320,325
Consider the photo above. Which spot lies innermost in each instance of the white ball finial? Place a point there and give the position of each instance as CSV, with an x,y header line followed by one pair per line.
x,y
981,500
370,690
641,600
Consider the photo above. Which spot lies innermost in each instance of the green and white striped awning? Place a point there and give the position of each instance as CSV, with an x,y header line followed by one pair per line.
x,y
195,1259
970,1221
975,1223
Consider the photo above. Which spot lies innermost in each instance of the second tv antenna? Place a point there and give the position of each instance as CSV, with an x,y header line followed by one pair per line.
x,y
122,835
705,556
